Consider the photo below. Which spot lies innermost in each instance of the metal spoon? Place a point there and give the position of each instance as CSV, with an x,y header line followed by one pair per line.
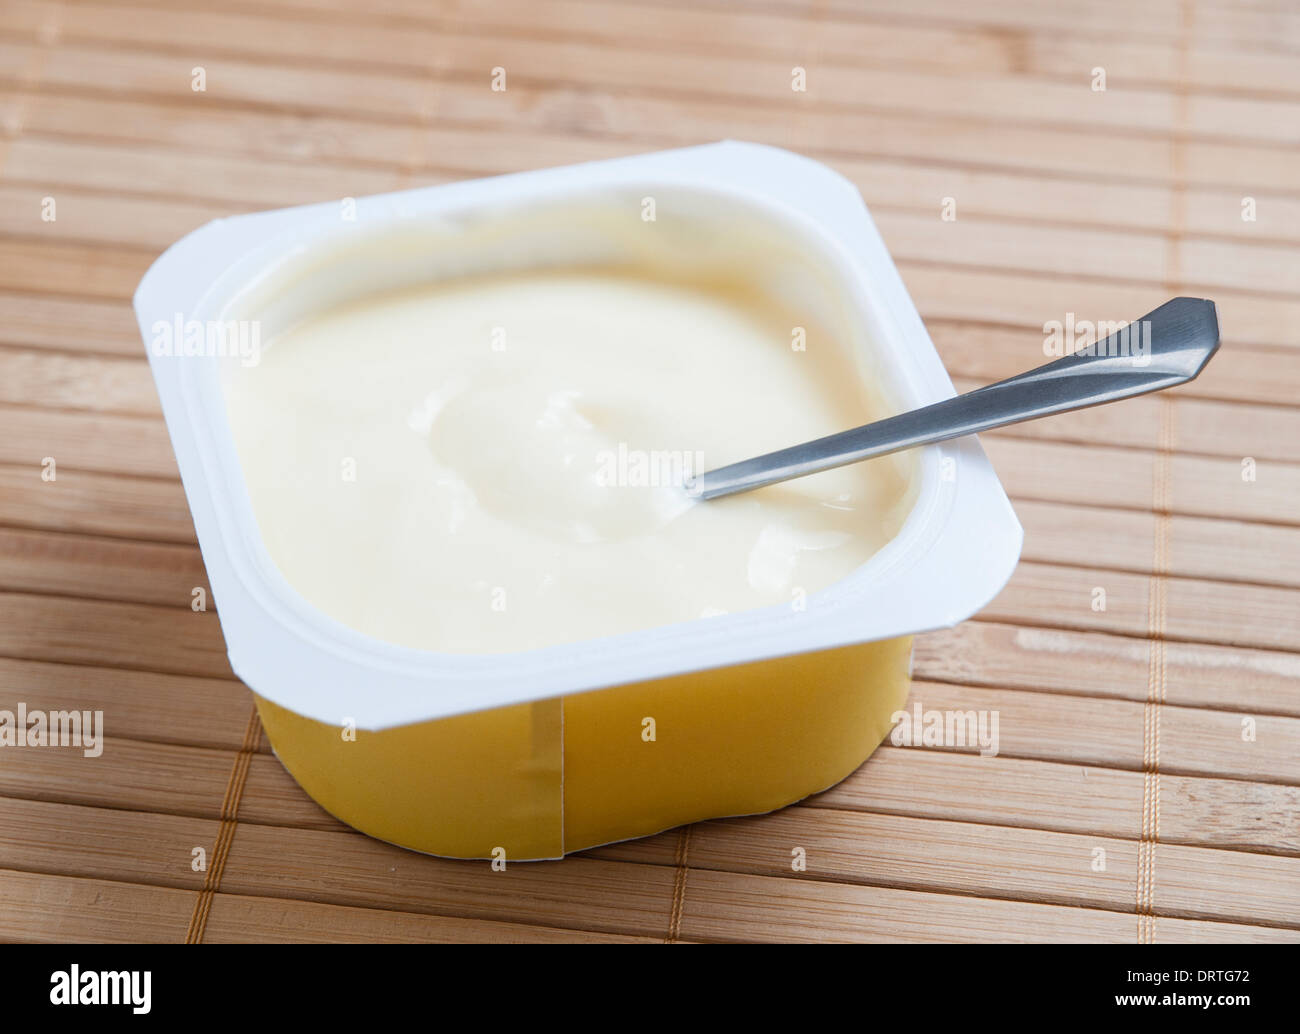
x,y
1168,346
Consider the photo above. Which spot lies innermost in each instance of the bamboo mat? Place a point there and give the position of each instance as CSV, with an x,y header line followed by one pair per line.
x,y
1162,732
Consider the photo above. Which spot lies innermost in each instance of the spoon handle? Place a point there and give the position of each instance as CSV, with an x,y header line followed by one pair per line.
x,y
1168,346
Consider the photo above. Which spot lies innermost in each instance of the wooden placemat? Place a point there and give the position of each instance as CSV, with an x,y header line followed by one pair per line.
x,y
1147,786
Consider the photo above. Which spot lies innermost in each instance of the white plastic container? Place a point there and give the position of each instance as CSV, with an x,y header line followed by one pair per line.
x,y
463,754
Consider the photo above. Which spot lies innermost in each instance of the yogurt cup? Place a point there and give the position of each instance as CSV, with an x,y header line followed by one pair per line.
x,y
534,754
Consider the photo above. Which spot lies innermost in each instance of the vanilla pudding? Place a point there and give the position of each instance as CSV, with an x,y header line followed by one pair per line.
x,y
492,463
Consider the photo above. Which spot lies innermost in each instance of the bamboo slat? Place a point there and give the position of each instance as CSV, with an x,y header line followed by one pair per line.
x,y
1090,663
451,52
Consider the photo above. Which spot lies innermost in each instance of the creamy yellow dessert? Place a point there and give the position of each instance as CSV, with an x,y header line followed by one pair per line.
x,y
492,464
